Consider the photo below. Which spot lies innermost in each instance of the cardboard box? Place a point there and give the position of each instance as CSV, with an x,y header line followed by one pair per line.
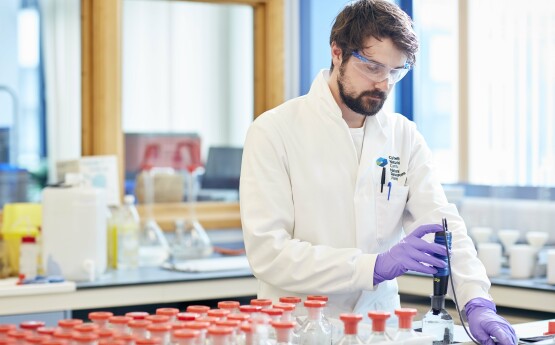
x,y
98,171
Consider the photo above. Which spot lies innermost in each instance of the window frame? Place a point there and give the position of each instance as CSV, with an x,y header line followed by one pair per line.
x,y
102,132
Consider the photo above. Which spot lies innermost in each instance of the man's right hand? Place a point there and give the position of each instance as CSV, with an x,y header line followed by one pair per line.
x,y
411,253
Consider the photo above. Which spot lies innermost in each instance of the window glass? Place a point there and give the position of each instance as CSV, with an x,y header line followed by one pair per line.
x,y
511,90
435,82
511,86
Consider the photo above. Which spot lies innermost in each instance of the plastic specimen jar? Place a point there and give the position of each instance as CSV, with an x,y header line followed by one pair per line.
x,y
232,306
186,337
199,326
187,316
31,325
199,309
158,318
86,328
250,309
138,327
221,314
67,325
119,323
125,338
49,331
106,333
100,318
262,302
19,335
137,315
85,338
170,312
5,328
148,341
161,331
220,335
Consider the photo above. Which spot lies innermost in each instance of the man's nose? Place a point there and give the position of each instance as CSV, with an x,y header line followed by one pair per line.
x,y
383,85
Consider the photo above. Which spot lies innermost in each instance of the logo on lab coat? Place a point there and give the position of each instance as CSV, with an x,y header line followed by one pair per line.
x,y
381,162
395,162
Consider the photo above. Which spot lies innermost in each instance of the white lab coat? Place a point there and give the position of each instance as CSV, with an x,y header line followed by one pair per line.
x,y
314,218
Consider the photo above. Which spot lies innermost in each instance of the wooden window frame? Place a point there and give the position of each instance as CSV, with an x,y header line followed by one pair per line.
x,y
102,132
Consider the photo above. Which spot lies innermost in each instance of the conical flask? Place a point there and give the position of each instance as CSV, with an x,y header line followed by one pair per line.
x,y
154,248
191,240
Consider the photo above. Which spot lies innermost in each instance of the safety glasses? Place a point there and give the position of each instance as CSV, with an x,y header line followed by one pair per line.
x,y
378,72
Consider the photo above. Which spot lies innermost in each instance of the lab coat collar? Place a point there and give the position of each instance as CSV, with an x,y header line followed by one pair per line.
x,y
322,96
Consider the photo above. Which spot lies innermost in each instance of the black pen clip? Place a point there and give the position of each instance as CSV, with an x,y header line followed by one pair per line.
x,y
383,179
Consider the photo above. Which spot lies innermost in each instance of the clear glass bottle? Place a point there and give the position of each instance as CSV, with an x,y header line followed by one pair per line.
x,y
405,330
154,248
128,230
438,322
350,334
335,332
284,332
378,334
314,330
190,241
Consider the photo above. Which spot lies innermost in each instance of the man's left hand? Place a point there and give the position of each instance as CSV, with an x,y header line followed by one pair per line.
x,y
484,323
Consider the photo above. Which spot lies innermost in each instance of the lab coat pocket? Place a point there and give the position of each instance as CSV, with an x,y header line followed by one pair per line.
x,y
389,211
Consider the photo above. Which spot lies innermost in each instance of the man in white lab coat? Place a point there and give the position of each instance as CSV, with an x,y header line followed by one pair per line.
x,y
336,193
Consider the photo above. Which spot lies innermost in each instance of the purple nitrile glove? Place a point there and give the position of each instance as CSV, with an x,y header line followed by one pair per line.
x,y
484,323
411,253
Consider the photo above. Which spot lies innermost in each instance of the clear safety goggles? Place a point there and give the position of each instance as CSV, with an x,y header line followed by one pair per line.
x,y
378,72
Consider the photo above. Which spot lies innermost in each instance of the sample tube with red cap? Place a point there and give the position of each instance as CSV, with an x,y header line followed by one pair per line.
x,y
350,334
300,312
405,330
284,332
186,337
218,335
170,312
378,334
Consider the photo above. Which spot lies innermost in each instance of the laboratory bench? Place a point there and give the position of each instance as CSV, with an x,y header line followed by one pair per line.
x,y
119,288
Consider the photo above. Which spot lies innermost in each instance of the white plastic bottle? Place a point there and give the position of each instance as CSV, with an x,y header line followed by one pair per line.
x,y
28,257
128,228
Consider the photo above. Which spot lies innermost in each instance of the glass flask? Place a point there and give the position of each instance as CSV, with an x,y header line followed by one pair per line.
x,y
438,322
128,225
378,334
153,245
405,330
350,336
191,241
314,330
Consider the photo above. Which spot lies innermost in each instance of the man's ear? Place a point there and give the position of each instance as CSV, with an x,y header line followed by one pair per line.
x,y
336,55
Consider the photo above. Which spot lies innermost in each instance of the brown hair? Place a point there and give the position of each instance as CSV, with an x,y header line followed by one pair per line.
x,y
380,19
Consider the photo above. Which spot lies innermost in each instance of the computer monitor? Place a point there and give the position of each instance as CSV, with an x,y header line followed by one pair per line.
x,y
223,168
